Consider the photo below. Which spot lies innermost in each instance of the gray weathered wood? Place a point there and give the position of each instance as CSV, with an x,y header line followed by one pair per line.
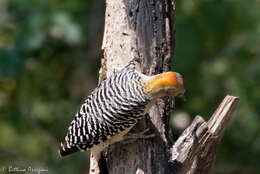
x,y
195,150
140,29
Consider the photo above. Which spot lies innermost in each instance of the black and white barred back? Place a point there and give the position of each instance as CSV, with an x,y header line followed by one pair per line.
x,y
115,105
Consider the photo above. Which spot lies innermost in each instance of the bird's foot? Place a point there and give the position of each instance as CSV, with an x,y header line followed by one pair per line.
x,y
130,137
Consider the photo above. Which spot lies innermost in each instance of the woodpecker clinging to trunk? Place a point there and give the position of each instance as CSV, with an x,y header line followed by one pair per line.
x,y
115,106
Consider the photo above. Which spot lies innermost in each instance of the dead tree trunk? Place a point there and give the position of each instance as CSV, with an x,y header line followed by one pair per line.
x,y
142,29
145,29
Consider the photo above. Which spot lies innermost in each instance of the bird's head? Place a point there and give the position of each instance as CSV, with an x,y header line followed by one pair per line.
x,y
165,84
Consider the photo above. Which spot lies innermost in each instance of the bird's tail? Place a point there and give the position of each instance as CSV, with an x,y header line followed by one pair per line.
x,y
65,149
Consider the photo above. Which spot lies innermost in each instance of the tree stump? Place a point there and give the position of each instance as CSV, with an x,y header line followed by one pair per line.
x,y
144,29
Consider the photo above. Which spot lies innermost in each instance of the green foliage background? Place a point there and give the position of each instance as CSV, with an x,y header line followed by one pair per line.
x,y
50,57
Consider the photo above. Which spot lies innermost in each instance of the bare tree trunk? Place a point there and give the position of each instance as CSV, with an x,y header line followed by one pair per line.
x,y
142,29
145,29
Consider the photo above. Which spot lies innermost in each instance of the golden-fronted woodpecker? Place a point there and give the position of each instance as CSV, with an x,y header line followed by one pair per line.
x,y
115,106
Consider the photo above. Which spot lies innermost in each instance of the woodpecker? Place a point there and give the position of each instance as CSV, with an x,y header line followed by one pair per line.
x,y
115,106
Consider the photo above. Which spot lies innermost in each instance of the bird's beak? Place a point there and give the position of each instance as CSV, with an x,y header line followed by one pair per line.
x,y
182,96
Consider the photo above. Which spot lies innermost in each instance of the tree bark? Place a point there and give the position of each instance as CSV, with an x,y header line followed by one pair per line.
x,y
144,29
140,29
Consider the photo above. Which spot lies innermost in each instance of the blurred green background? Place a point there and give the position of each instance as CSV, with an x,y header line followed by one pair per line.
x,y
50,57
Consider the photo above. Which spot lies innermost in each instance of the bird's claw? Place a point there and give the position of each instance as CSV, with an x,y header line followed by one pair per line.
x,y
130,138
